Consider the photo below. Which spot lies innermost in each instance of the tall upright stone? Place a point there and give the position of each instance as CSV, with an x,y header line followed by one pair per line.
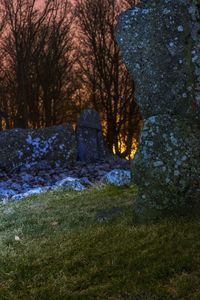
x,y
160,43
90,142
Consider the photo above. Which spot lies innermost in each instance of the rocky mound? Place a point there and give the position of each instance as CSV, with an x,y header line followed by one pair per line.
x,y
24,148
77,176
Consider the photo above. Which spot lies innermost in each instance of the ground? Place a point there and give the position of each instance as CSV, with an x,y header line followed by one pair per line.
x,y
68,245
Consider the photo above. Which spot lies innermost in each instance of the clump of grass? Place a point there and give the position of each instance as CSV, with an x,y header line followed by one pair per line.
x,y
64,251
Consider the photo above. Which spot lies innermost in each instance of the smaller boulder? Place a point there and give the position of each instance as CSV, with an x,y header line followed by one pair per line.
x,y
90,142
71,183
6,193
31,192
85,181
118,177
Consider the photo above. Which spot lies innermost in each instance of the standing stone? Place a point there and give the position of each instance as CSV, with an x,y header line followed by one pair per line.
x,y
90,142
160,43
25,148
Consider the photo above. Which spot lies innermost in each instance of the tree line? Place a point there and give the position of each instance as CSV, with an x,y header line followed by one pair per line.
x,y
58,58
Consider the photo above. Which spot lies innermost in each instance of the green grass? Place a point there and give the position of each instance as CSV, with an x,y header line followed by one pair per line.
x,y
67,251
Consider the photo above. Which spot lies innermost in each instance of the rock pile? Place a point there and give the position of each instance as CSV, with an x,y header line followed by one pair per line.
x,y
36,161
160,43
76,176
56,145
23,148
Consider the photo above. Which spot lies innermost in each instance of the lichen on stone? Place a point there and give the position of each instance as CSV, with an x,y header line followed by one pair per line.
x,y
160,44
25,147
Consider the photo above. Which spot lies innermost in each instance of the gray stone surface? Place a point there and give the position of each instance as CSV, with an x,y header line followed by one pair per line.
x,y
31,192
35,148
6,193
90,142
89,118
71,183
160,43
118,177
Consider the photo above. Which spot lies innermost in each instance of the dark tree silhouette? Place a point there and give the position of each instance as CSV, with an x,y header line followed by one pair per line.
x,y
55,68
110,88
20,48
131,2
36,47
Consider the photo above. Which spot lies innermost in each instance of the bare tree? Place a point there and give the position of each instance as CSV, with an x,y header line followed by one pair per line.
x,y
2,20
37,47
56,63
110,88
131,2
3,115
23,22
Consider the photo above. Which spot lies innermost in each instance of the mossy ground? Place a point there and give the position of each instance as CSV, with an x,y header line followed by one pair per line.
x,y
54,246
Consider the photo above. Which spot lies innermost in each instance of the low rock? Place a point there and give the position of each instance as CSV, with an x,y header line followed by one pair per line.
x,y
26,177
30,192
35,181
85,181
118,177
15,186
71,183
6,193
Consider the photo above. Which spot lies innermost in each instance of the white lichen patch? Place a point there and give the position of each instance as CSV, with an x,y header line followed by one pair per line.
x,y
166,11
62,147
158,163
40,147
180,28
135,11
20,154
146,11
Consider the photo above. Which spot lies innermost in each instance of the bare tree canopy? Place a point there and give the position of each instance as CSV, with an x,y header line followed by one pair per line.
x,y
36,47
110,88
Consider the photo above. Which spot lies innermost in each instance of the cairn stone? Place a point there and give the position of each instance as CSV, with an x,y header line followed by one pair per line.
x,y
24,148
90,143
160,44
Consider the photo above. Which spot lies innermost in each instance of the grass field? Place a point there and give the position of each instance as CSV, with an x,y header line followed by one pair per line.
x,y
67,245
